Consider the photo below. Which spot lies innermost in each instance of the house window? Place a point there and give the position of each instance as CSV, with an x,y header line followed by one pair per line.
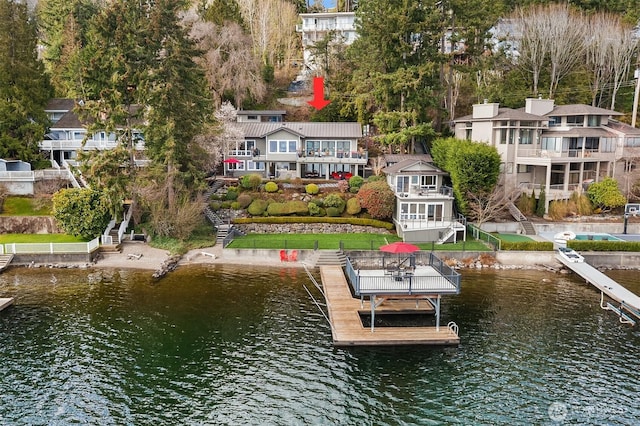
x,y
555,121
632,142
526,136
552,144
252,117
575,120
429,182
255,165
609,144
593,120
282,147
525,168
503,136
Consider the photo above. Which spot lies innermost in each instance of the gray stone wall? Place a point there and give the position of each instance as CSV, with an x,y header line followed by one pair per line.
x,y
28,225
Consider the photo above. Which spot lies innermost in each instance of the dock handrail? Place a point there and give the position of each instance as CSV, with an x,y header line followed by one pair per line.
x,y
313,299
453,327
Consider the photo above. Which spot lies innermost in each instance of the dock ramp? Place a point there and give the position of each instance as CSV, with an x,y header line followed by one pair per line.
x,y
628,303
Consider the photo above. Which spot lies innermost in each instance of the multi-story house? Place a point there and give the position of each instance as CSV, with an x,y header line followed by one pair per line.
x,y
424,205
67,136
316,27
561,149
297,149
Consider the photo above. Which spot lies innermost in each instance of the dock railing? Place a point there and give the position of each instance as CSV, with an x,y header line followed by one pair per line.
x,y
447,282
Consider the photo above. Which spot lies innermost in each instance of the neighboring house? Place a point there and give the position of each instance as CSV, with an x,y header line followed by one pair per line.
x,y
424,206
250,116
316,27
68,136
560,148
297,149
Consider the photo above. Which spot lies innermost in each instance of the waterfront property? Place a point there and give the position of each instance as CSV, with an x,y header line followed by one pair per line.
x,y
389,282
558,148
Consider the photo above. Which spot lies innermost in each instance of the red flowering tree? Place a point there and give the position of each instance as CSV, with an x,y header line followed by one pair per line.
x,y
378,199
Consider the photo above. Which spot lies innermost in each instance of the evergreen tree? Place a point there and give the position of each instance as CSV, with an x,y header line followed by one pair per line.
x,y
542,201
24,89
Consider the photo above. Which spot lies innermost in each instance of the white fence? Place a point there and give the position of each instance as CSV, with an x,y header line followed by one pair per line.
x,y
50,248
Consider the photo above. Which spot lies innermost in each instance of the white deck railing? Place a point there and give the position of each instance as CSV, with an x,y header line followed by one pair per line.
x,y
50,248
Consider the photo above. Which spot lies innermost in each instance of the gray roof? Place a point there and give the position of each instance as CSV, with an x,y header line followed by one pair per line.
x,y
306,130
623,127
400,167
580,109
396,158
261,112
505,114
594,132
60,104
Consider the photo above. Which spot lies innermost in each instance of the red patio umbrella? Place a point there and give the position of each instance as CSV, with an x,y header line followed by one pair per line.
x,y
399,247
231,161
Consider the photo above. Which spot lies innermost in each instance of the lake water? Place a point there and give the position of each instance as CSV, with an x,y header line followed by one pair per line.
x,y
227,345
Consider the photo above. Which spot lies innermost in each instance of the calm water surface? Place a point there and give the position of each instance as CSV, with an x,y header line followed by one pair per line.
x,y
227,345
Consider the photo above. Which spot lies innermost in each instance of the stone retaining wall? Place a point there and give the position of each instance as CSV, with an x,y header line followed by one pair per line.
x,y
28,225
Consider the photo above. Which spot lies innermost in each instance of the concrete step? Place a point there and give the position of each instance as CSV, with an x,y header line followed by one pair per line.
x,y
329,258
110,248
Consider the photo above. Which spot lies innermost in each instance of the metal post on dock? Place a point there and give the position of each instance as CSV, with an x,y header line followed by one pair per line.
x,y
626,218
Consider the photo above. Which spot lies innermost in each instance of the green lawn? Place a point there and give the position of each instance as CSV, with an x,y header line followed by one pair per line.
x,y
25,206
334,241
39,238
512,238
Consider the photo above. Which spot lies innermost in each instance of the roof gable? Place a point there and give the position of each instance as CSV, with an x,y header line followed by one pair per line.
x,y
413,167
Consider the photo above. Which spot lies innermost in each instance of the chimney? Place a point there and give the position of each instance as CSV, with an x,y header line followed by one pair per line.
x,y
539,106
485,110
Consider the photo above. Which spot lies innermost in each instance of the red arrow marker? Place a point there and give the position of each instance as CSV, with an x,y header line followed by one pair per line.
x,y
318,101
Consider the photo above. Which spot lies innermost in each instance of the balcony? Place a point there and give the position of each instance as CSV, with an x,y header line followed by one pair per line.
x,y
566,154
428,191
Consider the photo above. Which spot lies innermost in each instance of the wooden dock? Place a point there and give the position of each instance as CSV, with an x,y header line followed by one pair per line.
x,y
5,302
346,325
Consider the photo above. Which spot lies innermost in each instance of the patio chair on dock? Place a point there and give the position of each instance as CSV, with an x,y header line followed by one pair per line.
x,y
283,256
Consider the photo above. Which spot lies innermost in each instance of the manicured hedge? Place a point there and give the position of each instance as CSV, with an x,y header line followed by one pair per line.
x,y
586,245
527,245
311,219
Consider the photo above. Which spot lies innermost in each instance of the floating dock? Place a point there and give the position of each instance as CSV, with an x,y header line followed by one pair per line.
x,y
347,328
6,302
628,302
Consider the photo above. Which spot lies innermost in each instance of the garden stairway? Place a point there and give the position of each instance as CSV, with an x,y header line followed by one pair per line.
x,y
329,258
525,224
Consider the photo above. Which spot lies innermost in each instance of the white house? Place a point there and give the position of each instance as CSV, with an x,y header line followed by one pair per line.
x,y
561,148
316,27
424,205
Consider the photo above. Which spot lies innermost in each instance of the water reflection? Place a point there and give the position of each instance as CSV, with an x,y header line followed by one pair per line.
x,y
229,345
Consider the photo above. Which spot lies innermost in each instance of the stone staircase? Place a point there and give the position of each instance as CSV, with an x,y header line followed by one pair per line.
x,y
329,258
110,248
528,228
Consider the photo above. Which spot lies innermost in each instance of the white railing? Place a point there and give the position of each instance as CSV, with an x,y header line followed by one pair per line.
x,y
17,176
51,248
105,238
125,223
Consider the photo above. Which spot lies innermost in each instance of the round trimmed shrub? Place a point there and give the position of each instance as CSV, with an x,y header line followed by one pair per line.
x,y
251,181
314,209
356,182
335,200
298,208
277,209
333,212
235,205
257,207
232,194
353,206
312,189
271,187
244,200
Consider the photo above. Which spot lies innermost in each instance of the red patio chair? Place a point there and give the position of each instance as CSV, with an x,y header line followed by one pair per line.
x,y
293,256
348,176
283,256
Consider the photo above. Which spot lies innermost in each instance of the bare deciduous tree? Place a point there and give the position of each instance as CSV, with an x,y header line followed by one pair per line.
x,y
485,206
532,35
271,25
597,53
623,49
229,63
567,30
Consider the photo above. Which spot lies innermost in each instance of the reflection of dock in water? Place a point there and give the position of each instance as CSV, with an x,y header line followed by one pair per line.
x,y
628,302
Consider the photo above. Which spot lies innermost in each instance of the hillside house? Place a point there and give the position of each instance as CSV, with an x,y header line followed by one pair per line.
x,y
558,148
